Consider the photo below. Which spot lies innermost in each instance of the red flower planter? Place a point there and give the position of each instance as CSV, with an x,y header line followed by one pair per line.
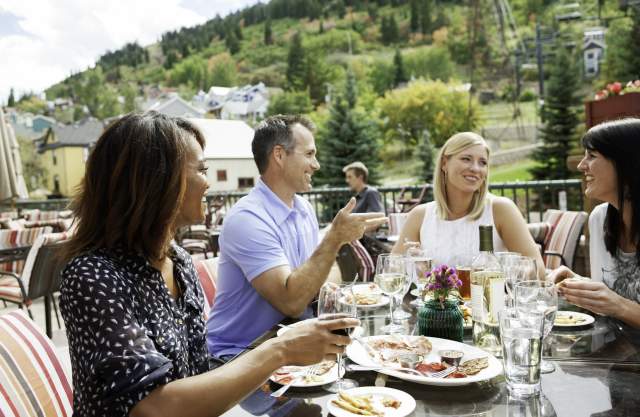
x,y
612,108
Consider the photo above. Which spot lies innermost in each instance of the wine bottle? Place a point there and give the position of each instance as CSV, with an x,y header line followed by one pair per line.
x,y
487,294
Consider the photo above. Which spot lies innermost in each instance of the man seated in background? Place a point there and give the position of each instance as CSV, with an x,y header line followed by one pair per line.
x,y
367,197
271,264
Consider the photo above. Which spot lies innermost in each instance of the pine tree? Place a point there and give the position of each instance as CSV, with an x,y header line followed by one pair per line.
x,y
232,43
394,34
268,34
321,27
398,65
12,99
349,136
561,118
425,155
425,16
296,65
415,16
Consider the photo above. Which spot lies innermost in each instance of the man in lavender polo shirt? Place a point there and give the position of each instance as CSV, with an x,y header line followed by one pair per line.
x,y
271,264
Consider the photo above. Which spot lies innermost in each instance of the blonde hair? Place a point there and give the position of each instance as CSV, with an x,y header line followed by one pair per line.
x,y
454,145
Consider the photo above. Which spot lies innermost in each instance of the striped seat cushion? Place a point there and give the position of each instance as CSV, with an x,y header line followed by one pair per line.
x,y
208,275
366,267
33,381
562,239
10,239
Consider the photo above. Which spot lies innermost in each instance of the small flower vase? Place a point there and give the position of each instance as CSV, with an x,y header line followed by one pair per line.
x,y
441,320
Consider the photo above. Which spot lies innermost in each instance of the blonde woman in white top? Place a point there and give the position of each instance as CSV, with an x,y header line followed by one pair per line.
x,y
447,228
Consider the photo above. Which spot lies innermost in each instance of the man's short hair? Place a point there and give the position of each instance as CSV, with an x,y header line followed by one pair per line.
x,y
359,169
273,131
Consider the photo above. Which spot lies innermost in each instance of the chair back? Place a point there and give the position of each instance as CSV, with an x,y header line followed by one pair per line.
x,y
8,215
353,259
561,242
41,274
33,381
208,276
11,240
396,223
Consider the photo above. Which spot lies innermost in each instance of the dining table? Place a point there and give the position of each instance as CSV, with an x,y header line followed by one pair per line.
x,y
597,373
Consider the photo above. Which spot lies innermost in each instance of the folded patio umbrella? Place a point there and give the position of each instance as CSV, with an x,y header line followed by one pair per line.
x,y
12,185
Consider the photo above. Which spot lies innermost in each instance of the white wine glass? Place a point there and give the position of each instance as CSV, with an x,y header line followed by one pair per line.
x,y
418,267
535,296
391,274
338,302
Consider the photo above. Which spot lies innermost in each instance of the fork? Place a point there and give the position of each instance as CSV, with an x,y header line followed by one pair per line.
x,y
311,371
444,372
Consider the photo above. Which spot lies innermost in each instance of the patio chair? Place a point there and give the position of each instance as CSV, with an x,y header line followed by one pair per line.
x,y
15,245
558,236
354,259
40,277
33,380
405,200
396,223
208,276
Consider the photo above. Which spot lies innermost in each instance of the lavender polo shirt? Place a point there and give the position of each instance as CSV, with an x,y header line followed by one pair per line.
x,y
259,233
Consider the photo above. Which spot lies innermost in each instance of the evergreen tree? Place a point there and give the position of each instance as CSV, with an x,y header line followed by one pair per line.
x,y
349,136
268,34
560,113
12,99
398,65
394,34
296,66
372,10
238,32
232,43
341,10
321,27
425,16
415,16
389,30
426,156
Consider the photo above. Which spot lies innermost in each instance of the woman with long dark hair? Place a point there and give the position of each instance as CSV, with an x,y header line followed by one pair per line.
x,y
130,297
611,166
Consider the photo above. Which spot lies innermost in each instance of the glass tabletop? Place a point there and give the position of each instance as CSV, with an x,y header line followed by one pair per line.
x,y
597,370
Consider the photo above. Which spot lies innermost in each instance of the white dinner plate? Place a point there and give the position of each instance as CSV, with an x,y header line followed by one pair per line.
x,y
588,320
359,355
325,378
407,403
357,331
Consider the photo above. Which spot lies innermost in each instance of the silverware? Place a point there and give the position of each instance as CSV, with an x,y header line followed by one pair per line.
x,y
313,370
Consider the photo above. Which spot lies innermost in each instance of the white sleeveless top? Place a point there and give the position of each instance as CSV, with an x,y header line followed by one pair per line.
x,y
455,242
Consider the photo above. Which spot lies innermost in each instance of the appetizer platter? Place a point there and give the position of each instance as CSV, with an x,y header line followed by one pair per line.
x,y
429,355
369,296
572,319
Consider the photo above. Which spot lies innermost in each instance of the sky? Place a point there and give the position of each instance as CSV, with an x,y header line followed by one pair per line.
x,y
43,41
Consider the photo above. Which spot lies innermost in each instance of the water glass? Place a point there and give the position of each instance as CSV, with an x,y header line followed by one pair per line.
x,y
337,302
418,266
521,335
541,297
391,274
517,269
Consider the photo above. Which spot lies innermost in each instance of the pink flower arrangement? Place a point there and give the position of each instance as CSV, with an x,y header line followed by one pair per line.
x,y
615,88
443,279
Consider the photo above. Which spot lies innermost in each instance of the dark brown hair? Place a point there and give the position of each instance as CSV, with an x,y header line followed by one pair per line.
x,y
133,186
272,131
619,142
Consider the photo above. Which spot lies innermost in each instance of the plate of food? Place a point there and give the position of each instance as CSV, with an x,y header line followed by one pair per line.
x,y
307,376
388,351
371,401
369,296
571,319
357,331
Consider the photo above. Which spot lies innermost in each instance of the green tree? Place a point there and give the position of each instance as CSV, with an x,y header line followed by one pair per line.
x,y
290,102
232,43
223,71
400,75
268,33
619,60
340,8
426,155
33,169
414,23
425,16
30,103
381,76
348,136
191,71
296,66
129,94
560,113
389,30
421,105
11,102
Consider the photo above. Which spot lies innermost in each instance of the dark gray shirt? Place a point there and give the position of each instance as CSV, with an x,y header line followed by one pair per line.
x,y
368,201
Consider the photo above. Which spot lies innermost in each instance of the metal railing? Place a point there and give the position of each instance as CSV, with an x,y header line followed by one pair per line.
x,y
531,197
